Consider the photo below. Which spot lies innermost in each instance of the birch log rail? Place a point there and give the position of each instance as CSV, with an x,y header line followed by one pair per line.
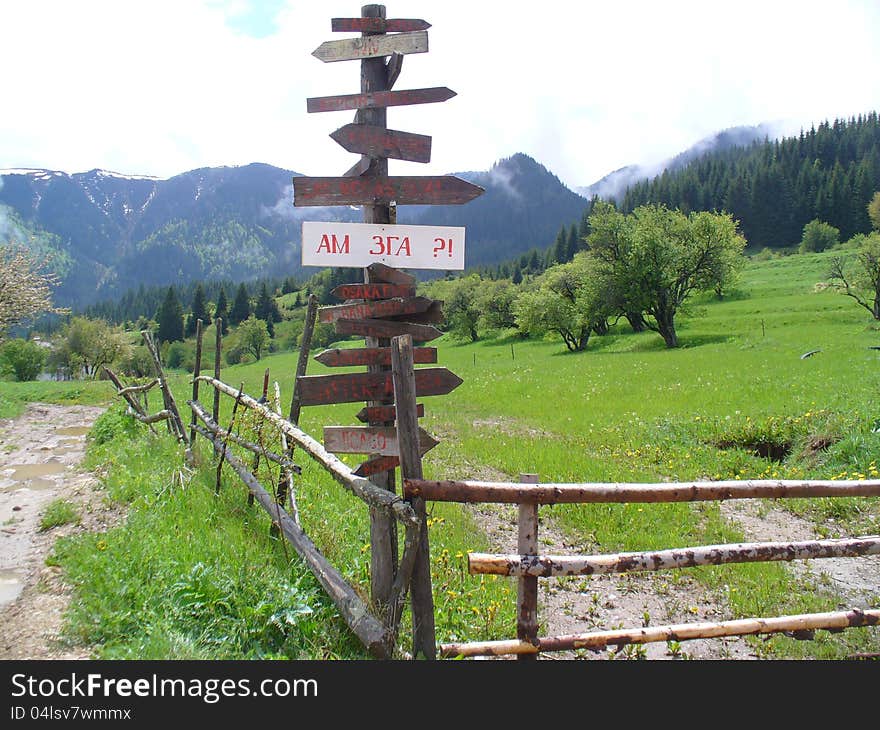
x,y
676,632
547,493
342,473
564,565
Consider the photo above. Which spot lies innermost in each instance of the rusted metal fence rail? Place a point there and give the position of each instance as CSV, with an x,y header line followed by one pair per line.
x,y
530,565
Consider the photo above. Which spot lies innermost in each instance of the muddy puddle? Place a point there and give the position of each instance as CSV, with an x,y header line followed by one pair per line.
x,y
73,430
11,585
33,476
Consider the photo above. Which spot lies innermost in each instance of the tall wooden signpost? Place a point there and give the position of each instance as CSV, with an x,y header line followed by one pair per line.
x,y
384,305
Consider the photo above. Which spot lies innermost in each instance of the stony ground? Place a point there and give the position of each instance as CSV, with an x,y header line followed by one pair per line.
x,y
40,453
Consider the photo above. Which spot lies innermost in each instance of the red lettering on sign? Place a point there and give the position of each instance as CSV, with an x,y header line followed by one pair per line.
x,y
331,244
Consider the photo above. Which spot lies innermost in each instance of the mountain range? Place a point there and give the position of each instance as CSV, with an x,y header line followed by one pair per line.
x,y
104,232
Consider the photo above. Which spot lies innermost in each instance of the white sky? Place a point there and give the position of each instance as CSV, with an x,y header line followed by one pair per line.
x,y
165,86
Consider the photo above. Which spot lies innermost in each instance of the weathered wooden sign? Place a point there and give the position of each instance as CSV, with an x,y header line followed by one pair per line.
x,y
378,99
371,356
386,328
361,244
377,465
353,387
366,139
381,308
380,272
372,46
378,290
379,414
401,189
377,25
379,440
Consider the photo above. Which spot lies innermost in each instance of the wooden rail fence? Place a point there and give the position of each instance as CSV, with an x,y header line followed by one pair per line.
x,y
529,564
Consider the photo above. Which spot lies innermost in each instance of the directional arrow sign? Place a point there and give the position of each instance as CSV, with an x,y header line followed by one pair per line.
x,y
380,414
353,387
432,315
378,309
405,190
377,465
381,440
372,291
372,46
377,25
386,328
380,272
372,356
365,139
372,100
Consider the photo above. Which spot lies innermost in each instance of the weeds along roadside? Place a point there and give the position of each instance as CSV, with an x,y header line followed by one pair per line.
x,y
194,575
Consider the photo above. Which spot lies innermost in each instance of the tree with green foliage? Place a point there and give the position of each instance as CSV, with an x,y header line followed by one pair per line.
x,y
83,345
198,311
655,258
253,336
169,318
23,359
874,211
460,305
241,306
860,281
266,308
567,299
818,236
494,301
221,311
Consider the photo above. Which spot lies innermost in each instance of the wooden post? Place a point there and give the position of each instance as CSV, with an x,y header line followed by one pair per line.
x,y
383,530
223,450
527,586
218,342
170,405
424,639
255,465
303,361
130,398
197,370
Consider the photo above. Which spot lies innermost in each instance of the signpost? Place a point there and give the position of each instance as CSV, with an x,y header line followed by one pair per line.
x,y
385,305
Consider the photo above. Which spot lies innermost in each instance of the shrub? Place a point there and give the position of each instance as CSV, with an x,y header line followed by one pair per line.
x,y
22,358
818,236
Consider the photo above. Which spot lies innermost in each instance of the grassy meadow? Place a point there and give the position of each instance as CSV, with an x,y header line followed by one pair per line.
x,y
737,400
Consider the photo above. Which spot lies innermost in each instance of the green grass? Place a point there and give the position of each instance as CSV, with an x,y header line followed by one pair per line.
x,y
59,512
14,395
734,395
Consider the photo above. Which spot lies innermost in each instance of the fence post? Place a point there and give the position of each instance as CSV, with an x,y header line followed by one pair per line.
x,y
422,598
527,585
218,342
255,463
176,421
197,370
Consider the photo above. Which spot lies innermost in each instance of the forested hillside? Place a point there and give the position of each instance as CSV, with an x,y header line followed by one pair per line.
x,y
775,188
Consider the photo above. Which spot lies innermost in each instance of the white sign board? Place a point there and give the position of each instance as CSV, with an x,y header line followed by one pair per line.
x,y
398,246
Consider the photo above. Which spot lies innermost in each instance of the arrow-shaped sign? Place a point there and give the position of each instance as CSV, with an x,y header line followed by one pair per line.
x,y
386,328
376,99
405,190
377,25
380,272
381,414
372,46
378,309
371,356
365,139
380,440
377,465
317,390
378,290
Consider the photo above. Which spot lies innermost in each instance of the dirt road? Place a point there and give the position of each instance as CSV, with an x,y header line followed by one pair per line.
x,y
40,453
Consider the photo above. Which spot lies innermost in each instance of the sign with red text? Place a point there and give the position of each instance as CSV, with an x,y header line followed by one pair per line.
x,y
400,246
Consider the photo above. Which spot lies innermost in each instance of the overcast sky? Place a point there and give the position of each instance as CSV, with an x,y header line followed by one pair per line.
x,y
159,87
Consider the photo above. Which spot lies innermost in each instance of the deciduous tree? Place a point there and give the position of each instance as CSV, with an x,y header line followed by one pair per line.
x,y
25,288
859,278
